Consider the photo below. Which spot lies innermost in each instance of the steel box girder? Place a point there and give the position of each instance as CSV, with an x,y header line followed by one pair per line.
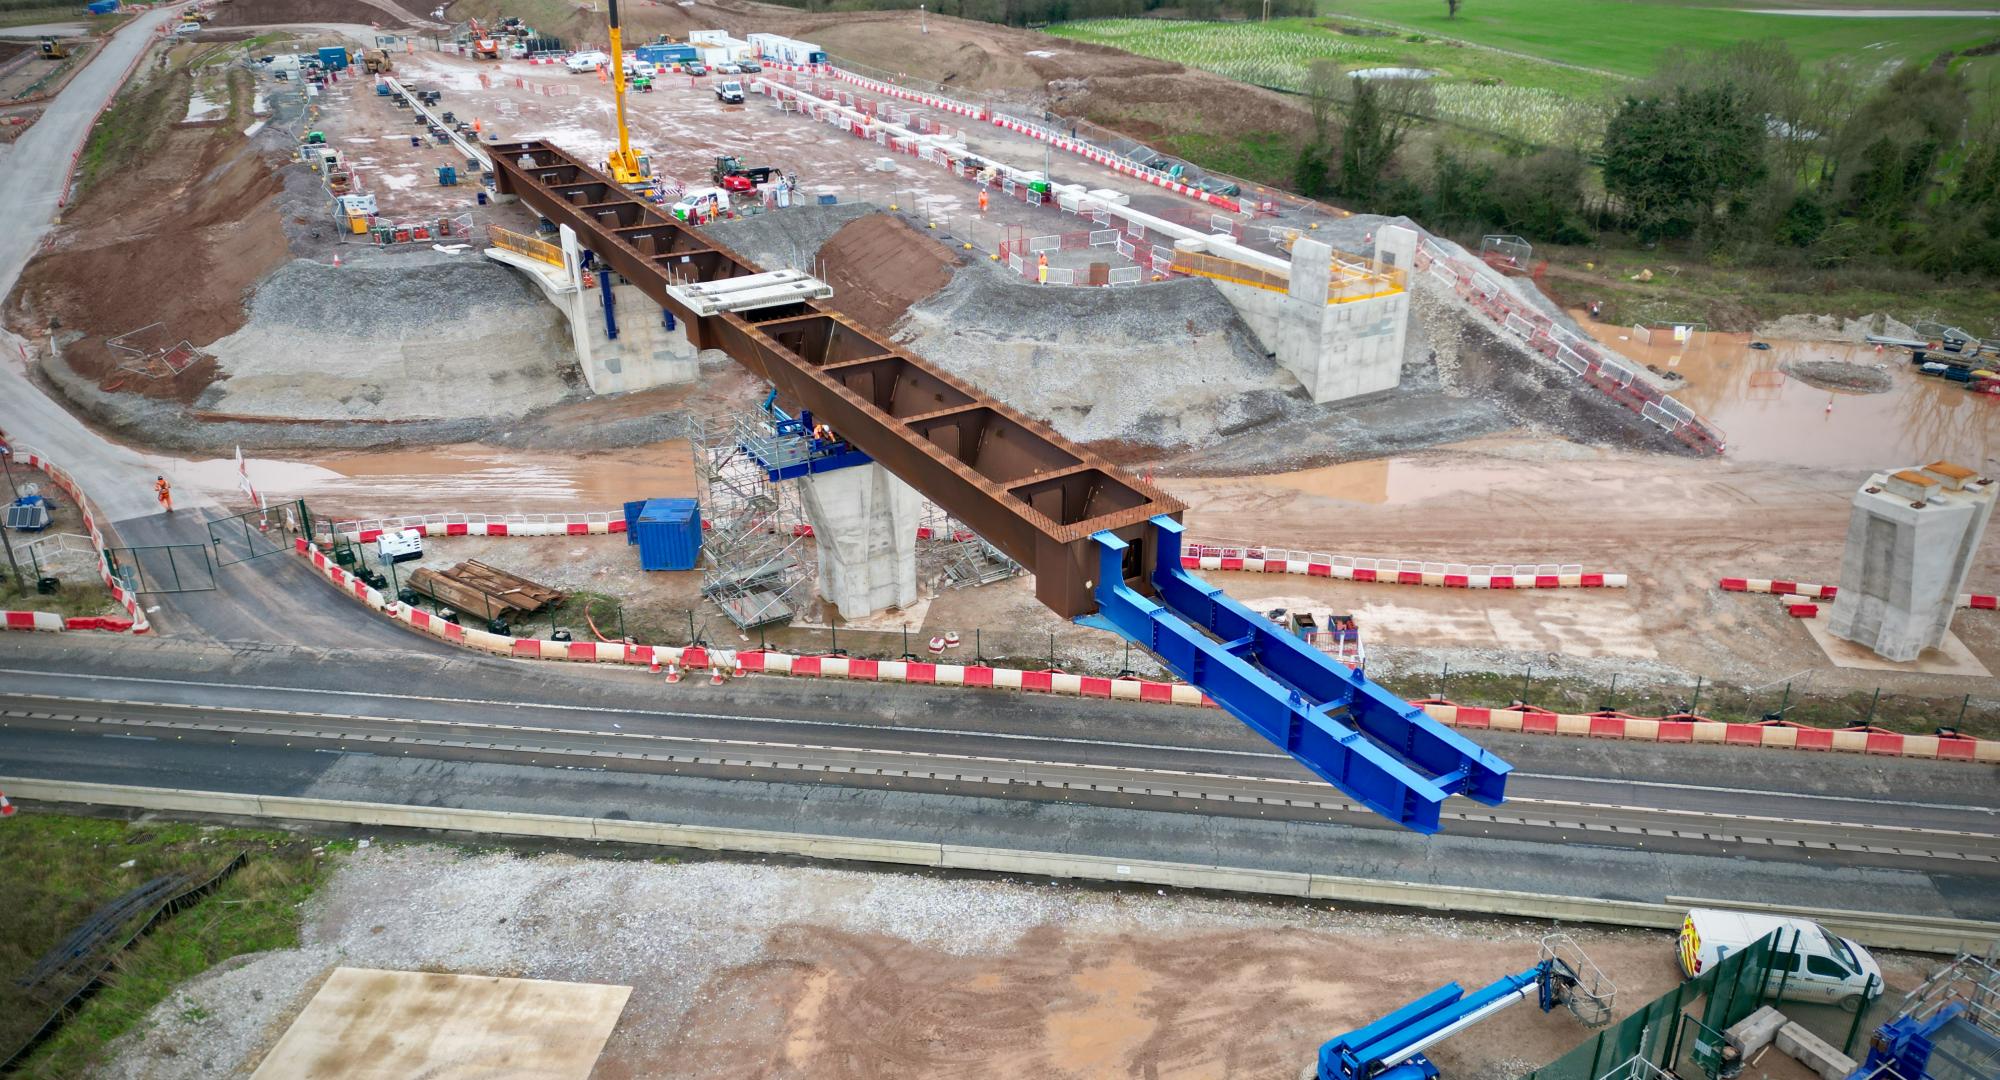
x,y
1033,494
1379,749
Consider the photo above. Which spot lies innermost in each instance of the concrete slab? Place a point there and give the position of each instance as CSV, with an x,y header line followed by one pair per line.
x,y
365,1024
1951,657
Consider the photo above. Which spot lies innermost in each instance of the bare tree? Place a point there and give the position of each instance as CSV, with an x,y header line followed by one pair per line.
x,y
1325,88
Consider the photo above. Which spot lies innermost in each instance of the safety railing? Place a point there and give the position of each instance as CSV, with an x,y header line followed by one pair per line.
x,y
1350,282
522,244
1574,352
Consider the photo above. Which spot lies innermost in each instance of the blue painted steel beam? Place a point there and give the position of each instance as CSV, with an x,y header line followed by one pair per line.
x,y
610,320
1380,750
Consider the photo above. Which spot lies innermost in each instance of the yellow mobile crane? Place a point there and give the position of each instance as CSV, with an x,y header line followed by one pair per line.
x,y
630,169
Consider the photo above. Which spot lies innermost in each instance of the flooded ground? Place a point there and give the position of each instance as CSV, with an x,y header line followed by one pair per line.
x,y
484,479
1771,416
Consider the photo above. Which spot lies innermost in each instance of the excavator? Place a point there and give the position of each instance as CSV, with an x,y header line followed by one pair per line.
x,y
631,169
484,46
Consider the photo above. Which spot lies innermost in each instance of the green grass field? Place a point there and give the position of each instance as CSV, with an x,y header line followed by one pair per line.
x,y
1537,71
1627,36
1484,89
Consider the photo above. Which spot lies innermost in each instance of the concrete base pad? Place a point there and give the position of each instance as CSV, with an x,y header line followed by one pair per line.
x,y
890,619
392,1025
1951,659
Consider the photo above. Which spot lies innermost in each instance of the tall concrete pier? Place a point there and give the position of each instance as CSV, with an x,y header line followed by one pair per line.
x,y
1910,542
864,523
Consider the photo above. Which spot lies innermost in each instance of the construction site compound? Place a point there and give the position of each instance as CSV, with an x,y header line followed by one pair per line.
x,y
512,369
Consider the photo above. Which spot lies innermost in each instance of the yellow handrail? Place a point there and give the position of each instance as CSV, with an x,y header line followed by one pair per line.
x,y
522,244
1346,287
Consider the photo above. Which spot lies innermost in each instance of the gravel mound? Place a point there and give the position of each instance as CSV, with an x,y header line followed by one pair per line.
x,y
785,238
1839,375
1166,365
428,337
1833,328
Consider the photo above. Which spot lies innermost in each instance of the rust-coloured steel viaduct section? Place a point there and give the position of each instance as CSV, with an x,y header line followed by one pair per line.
x,y
1027,490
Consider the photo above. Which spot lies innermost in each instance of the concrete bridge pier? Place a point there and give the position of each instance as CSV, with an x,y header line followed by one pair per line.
x,y
644,355
864,523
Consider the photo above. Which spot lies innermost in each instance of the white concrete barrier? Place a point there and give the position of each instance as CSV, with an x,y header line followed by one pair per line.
x,y
1924,934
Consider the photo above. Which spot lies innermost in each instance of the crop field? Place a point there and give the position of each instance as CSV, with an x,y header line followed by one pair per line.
x,y
1628,37
1514,97
1537,71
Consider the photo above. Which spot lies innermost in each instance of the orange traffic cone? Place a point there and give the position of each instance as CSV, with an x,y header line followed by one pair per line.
x,y
715,675
336,259
673,673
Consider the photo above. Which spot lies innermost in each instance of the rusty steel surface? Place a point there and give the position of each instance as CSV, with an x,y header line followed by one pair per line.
x,y
1030,492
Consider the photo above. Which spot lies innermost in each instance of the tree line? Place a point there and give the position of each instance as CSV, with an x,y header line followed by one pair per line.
x,y
1044,12
1742,148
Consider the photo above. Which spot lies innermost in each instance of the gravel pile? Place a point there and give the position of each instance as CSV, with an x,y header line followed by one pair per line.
x,y
379,341
1833,328
786,238
1840,375
668,931
1168,365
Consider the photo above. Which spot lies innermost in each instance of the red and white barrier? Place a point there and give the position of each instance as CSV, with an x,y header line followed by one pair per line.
x,y
1218,555
1695,729
1807,591
128,600
593,523
32,620
734,661
1116,164
1689,729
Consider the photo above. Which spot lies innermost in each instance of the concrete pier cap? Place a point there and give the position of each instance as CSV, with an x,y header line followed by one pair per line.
x,y
1911,541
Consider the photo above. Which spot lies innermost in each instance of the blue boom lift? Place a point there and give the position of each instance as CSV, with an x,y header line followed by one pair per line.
x,y
1392,1048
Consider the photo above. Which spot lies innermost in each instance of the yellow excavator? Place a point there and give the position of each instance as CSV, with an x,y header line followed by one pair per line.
x,y
629,168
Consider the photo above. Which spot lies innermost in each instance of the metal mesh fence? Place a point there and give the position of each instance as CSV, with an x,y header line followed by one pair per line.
x,y
1673,1031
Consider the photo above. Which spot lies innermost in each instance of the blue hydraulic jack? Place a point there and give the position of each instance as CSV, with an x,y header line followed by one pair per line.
x,y
1377,748
798,446
1392,1048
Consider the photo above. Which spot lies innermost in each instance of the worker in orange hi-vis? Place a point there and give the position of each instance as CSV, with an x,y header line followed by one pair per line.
x,y
982,202
165,493
1042,268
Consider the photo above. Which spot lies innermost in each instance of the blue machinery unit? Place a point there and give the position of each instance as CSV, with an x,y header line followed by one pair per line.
x,y
1392,1048
1947,1029
797,446
1377,748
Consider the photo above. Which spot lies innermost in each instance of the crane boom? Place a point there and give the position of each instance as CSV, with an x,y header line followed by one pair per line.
x,y
626,167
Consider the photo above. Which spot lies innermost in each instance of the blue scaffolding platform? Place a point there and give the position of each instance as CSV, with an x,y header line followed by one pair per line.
x,y
789,448
1380,750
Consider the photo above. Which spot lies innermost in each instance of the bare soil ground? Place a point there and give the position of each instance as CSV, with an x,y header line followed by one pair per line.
x,y
748,970
175,236
266,12
879,266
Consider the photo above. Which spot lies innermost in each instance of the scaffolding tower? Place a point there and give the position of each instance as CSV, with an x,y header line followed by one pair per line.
x,y
759,564
756,566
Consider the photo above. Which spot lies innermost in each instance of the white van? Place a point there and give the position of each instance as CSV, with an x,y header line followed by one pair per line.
x,y
587,61
701,205
1821,966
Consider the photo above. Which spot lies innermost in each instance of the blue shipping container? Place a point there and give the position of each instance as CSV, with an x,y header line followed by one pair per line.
x,y
632,518
669,534
333,58
666,54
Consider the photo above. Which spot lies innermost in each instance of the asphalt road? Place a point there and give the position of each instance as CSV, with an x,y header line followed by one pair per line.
x,y
454,728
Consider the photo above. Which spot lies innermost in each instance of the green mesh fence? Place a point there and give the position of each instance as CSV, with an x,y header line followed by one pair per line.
x,y
1674,1031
